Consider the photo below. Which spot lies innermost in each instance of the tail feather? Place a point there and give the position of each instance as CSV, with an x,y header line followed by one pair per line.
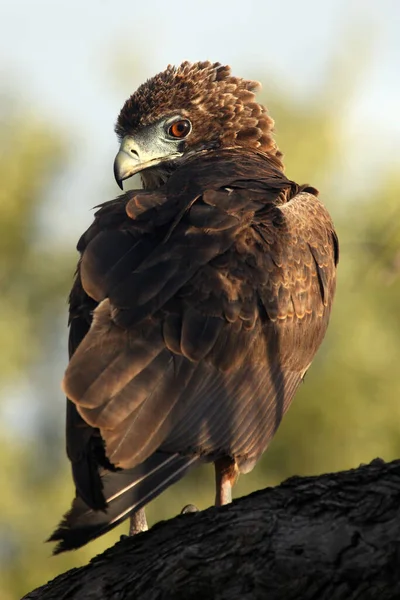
x,y
126,491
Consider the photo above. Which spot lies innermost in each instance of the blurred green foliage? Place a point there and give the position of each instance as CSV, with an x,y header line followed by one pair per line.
x,y
347,411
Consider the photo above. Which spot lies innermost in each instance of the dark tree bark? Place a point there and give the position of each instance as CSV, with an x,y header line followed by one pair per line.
x,y
331,537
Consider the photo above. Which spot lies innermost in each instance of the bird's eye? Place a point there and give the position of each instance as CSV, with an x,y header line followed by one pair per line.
x,y
180,129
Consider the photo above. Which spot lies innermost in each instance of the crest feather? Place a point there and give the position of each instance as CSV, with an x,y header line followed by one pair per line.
x,y
223,109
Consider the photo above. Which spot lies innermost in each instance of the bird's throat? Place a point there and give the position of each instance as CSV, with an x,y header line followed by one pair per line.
x,y
157,176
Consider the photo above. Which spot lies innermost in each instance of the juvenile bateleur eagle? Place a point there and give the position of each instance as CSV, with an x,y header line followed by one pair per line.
x,y
198,304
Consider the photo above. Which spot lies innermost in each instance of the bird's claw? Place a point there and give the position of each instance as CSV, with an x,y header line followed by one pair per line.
x,y
189,508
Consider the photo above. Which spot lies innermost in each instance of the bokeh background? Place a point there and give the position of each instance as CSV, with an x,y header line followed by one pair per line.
x,y
331,79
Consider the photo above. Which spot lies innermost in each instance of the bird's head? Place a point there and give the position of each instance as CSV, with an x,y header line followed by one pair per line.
x,y
187,110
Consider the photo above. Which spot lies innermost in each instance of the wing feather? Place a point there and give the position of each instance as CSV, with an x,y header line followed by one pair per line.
x,y
214,294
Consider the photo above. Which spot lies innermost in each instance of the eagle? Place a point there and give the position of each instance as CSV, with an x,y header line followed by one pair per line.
x,y
198,304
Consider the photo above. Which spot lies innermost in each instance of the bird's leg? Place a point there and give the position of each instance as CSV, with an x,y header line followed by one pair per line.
x,y
226,473
138,522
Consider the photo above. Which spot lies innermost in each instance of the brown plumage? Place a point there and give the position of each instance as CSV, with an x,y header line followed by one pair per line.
x,y
198,304
222,107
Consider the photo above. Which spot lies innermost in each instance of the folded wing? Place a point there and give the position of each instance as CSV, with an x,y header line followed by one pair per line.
x,y
209,314
210,297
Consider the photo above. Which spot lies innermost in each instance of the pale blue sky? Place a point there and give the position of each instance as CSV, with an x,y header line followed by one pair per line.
x,y
62,52
59,58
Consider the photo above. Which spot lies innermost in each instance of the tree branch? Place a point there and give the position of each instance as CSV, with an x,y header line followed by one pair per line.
x,y
334,536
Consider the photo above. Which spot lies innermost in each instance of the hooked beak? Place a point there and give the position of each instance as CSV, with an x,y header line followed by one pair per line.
x,y
130,160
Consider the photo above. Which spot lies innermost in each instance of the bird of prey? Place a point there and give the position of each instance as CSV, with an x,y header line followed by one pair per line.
x,y
198,304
